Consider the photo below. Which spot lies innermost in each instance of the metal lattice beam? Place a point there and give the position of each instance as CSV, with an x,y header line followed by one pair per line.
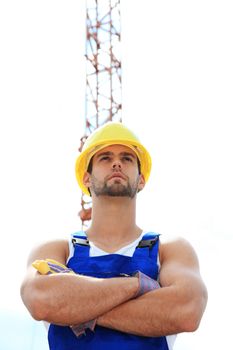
x,y
103,72
103,63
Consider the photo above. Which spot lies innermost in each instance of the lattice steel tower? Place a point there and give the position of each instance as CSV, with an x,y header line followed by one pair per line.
x,y
103,71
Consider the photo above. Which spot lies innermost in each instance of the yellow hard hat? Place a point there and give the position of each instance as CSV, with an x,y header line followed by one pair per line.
x,y
111,133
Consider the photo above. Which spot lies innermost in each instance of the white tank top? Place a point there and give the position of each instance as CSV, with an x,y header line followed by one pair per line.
x,y
127,250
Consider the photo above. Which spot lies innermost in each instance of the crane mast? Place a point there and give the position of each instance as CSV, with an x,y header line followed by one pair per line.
x,y
103,73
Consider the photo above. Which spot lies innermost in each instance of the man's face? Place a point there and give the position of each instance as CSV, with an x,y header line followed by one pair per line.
x,y
115,173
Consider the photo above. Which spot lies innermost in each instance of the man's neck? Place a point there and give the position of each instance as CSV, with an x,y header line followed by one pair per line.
x,y
113,222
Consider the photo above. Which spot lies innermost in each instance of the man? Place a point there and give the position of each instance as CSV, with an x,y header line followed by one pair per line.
x,y
112,295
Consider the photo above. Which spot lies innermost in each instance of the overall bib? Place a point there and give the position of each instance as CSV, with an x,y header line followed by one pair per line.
x,y
144,259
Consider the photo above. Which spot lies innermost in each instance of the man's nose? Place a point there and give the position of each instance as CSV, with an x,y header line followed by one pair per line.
x,y
116,164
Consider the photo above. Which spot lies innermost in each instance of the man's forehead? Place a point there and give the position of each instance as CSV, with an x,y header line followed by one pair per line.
x,y
116,149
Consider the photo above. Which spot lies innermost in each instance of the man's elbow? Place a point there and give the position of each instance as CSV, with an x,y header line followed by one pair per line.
x,y
34,301
190,323
195,310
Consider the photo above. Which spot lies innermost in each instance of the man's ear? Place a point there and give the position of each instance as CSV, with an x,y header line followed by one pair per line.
x,y
87,179
141,183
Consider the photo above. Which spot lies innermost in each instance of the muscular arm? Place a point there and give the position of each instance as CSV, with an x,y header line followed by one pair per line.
x,y
176,307
67,299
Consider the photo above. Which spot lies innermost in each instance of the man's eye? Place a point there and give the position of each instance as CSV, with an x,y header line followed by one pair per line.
x,y
104,158
128,159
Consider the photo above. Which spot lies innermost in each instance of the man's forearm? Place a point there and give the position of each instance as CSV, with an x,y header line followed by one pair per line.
x,y
157,313
134,316
72,299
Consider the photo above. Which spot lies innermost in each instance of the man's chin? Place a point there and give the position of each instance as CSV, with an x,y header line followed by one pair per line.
x,y
117,194
117,191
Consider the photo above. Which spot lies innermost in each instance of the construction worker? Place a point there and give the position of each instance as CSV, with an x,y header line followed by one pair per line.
x,y
128,289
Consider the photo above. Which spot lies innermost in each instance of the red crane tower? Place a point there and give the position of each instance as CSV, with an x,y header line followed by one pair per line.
x,y
103,72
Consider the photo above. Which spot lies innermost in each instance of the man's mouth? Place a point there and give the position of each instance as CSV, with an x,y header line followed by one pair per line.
x,y
116,176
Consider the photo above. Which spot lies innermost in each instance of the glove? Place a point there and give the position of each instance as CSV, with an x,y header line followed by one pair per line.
x,y
146,284
80,329
50,266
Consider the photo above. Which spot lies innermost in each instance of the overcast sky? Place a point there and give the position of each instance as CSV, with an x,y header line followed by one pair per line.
x,y
177,95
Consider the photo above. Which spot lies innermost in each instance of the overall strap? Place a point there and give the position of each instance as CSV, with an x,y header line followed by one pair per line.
x,y
81,244
148,246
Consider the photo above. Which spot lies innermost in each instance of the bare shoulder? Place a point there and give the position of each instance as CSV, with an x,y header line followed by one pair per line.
x,y
178,250
55,249
180,265
180,268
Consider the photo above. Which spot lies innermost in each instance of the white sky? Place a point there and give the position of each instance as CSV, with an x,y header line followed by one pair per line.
x,y
177,95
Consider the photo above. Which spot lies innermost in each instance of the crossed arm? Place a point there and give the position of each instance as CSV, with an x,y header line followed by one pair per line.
x,y
67,299
177,307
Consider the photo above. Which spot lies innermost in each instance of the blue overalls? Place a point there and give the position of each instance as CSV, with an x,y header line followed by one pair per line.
x,y
144,259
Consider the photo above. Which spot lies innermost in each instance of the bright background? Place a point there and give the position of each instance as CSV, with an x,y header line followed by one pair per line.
x,y
177,95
